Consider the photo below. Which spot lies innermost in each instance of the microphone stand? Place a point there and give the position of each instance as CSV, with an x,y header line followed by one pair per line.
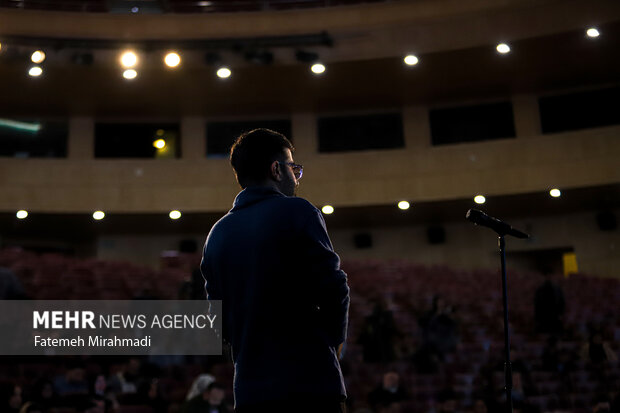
x,y
502,229
507,363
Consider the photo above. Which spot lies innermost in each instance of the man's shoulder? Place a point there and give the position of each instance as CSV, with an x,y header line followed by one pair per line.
x,y
298,203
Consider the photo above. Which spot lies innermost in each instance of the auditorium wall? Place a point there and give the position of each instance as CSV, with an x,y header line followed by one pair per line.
x,y
465,246
420,172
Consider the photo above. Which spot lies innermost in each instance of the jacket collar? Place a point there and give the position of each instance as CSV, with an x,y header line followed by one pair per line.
x,y
252,195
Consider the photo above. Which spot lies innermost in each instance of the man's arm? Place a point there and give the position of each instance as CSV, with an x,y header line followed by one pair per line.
x,y
328,280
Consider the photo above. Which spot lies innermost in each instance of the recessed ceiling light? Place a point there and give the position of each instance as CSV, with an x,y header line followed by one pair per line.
x,y
175,214
223,72
503,48
172,59
480,199
159,144
403,205
35,71
317,68
21,214
38,57
593,32
98,215
327,209
411,60
129,59
130,74
556,193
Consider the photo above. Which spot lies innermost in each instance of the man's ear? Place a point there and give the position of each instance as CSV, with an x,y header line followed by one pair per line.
x,y
275,171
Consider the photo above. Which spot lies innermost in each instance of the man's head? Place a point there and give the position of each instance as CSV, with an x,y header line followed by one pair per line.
x,y
391,381
214,394
265,157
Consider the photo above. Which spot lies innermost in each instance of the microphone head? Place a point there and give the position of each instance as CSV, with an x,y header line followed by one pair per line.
x,y
474,215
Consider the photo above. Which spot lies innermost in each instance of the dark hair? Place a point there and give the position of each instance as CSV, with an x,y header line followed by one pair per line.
x,y
254,151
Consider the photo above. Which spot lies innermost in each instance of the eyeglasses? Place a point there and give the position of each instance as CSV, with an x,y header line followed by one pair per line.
x,y
298,170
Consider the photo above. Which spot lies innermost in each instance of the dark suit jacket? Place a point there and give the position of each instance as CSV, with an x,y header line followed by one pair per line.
x,y
284,298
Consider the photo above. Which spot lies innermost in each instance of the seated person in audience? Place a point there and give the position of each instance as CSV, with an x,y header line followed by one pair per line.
x,y
389,391
597,351
11,395
439,328
125,381
73,382
479,406
447,401
557,360
210,401
378,335
44,394
10,286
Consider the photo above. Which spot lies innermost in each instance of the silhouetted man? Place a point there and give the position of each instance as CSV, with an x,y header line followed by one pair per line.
x,y
284,298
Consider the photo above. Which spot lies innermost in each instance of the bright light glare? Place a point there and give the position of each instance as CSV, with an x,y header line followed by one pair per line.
x,y
223,72
403,205
21,214
129,59
317,68
555,193
174,214
411,60
592,32
37,57
328,209
130,74
503,48
172,59
480,199
98,215
159,144
35,71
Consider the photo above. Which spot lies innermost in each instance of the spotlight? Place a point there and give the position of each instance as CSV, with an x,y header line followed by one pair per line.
x,y
129,59
130,74
259,57
223,72
503,48
135,9
172,59
174,214
21,214
480,199
317,68
159,144
38,57
403,205
98,215
593,32
556,193
327,209
35,71
306,57
411,60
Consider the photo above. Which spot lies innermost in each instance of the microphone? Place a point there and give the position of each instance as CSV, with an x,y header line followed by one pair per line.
x,y
502,228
